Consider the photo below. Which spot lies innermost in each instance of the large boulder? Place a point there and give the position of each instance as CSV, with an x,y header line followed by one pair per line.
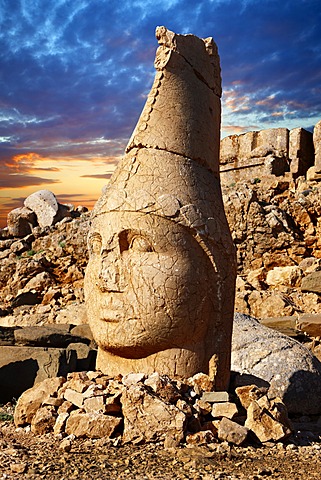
x,y
21,221
44,204
264,356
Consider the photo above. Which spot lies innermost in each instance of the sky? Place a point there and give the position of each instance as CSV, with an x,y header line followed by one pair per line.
x,y
74,75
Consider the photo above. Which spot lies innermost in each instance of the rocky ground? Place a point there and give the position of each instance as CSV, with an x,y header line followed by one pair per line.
x,y
24,455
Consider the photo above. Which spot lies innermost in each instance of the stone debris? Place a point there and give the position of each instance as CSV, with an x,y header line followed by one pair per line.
x,y
268,358
141,415
232,432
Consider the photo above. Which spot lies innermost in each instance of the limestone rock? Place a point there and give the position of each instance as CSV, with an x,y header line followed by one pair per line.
x,y
310,324
226,409
21,221
147,418
92,425
46,336
290,276
23,367
317,146
44,204
44,420
200,438
232,432
215,397
293,373
301,154
312,282
31,399
266,425
248,393
201,383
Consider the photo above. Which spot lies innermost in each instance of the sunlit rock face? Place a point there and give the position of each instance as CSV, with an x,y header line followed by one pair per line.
x,y
160,281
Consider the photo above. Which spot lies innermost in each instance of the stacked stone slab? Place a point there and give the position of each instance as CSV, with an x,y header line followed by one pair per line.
x,y
271,152
140,408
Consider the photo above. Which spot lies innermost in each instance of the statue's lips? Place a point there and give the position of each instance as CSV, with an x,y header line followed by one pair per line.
x,y
111,315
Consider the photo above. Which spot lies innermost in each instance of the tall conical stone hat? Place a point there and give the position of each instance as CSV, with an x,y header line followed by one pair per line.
x,y
171,165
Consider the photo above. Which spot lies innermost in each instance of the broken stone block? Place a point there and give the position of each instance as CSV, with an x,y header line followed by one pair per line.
x,y
248,393
289,276
44,204
60,423
312,282
147,417
215,397
92,425
94,404
133,378
199,438
21,221
317,146
232,432
301,151
226,409
43,420
203,407
266,424
266,357
201,383
112,404
74,397
31,400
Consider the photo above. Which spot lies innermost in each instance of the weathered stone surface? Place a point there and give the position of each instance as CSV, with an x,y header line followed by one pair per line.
x,y
249,393
232,432
267,424
215,397
301,152
310,324
21,221
44,204
293,373
74,397
317,146
148,418
201,383
46,336
31,399
312,282
60,423
226,409
254,154
161,255
201,438
92,425
44,420
290,276
288,325
22,367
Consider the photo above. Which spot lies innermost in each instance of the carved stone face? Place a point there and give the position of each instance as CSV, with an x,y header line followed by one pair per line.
x,y
146,285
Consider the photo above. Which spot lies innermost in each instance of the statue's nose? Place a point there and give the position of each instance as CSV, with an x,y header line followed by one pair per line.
x,y
110,275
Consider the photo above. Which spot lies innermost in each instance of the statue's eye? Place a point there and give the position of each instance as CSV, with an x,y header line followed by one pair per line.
x,y
140,244
95,243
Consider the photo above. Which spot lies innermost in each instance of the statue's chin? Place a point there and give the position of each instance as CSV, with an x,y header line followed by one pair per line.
x,y
131,352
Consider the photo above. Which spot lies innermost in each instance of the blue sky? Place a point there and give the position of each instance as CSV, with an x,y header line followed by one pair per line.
x,y
74,75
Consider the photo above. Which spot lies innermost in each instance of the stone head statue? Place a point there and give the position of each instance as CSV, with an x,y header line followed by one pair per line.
x,y
160,280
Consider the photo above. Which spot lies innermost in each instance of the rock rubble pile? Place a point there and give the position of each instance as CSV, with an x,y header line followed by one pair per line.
x,y
138,408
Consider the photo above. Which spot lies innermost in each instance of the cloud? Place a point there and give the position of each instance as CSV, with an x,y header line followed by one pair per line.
x,y
74,75
102,175
20,181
